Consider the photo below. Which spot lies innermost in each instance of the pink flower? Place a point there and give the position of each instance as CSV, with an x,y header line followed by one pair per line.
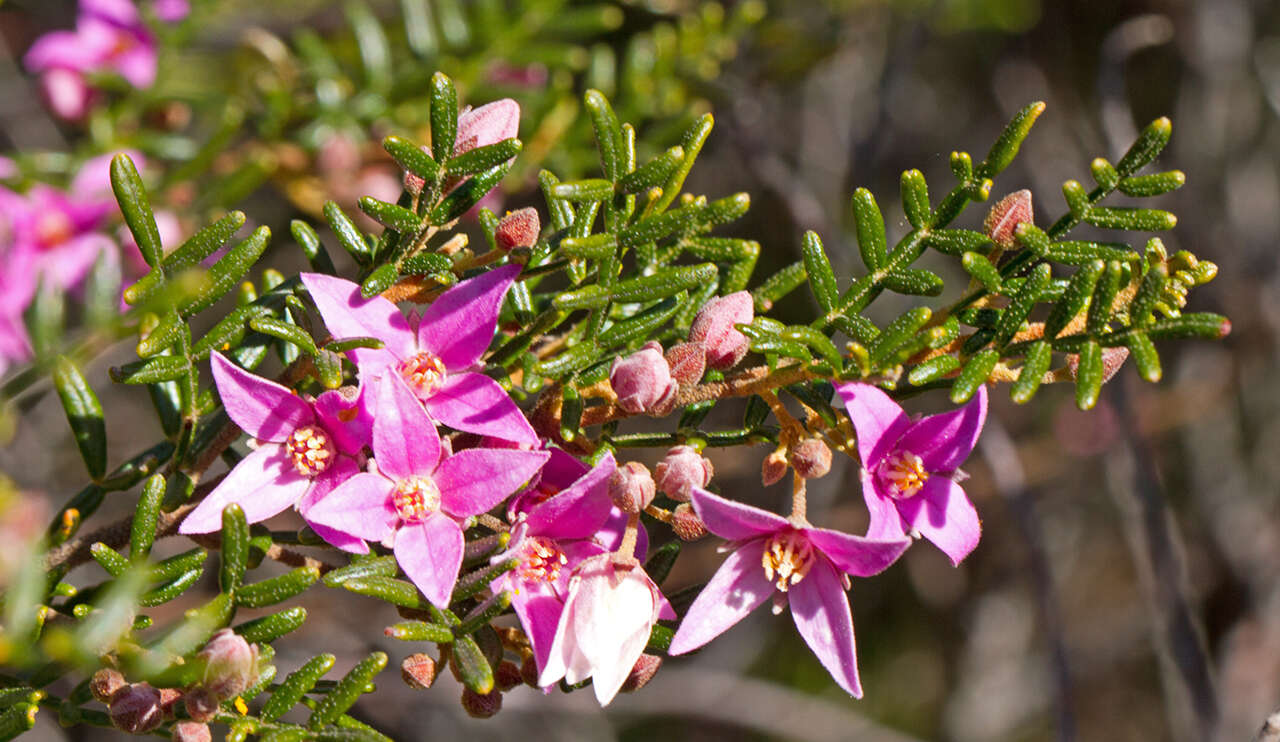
x,y
608,615
488,124
792,562
416,501
436,360
304,450
909,468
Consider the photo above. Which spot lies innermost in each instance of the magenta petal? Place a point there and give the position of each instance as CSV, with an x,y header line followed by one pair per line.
x,y
405,441
262,484
886,523
459,325
67,50
263,409
430,553
359,507
737,588
578,511
338,472
859,556
475,403
615,526
944,441
942,513
345,414
474,480
347,314
876,418
821,612
733,520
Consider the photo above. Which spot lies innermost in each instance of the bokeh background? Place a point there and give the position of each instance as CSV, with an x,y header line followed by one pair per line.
x,y
1127,586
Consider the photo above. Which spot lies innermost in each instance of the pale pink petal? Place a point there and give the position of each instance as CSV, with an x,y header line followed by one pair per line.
x,y
137,64
474,480
611,533
945,441
565,658
737,588
539,610
877,419
576,512
262,408
360,507
66,50
459,325
67,265
430,553
66,92
942,513
405,441
341,470
475,403
886,523
859,556
821,612
614,634
733,520
347,314
262,484
94,176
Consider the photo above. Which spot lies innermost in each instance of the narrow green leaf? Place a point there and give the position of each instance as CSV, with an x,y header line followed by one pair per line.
x,y
583,190
1201,325
467,195
444,117
561,212
170,590
286,331
1149,292
977,265
898,332
390,216
135,205
347,691
932,370
869,225
652,173
608,134
198,246
957,241
84,413
346,344
646,288
472,665
379,280
483,158
420,631
1146,147
412,158
596,247
915,199
269,628
1122,217
150,371
778,285
1077,298
143,533
692,140
915,282
1021,305
389,589
1039,356
642,325
973,375
295,686
1010,140
1104,295
1089,372
235,548
1074,252
1152,185
347,232
111,560
277,589
822,279
1145,356
229,269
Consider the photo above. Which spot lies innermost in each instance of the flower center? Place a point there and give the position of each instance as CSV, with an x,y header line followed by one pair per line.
x,y
540,560
52,229
311,449
787,559
416,498
425,373
905,474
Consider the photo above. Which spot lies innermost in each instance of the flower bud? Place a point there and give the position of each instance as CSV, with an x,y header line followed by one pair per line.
x,y
643,381
686,523
529,671
480,706
507,676
104,684
1003,219
687,361
518,229
713,328
418,670
682,469
488,124
136,709
773,468
631,487
811,459
169,698
201,705
1112,360
191,731
231,665
645,668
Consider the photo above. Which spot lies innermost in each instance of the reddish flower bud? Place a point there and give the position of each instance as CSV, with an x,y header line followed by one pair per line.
x,y
480,706
687,361
645,668
169,698
1003,219
1112,360
104,684
507,676
231,665
811,459
686,524
773,468
529,671
518,229
713,328
682,469
201,705
643,381
418,670
136,709
488,124
191,731
631,486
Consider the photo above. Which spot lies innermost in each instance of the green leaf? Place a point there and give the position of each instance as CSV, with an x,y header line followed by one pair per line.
x,y
229,269
1021,305
235,548
84,413
915,199
309,241
1152,185
642,325
412,158
1201,325
1010,140
1149,292
663,558
390,216
444,117
143,533
1104,174
346,344
596,247
561,212
472,665
777,286
608,134
462,198
483,158
957,241
973,375
170,590
976,265
1039,356
389,589
150,371
1089,374
869,225
135,205
269,628
692,140
898,333
1146,147
594,189
646,288
1104,295
286,331
915,282
420,631
198,246
376,566
1145,356
822,280
170,328
484,614
295,686
347,691
1075,300
932,370
379,280
348,233
425,263
1122,217
277,589
1073,252
111,560
653,173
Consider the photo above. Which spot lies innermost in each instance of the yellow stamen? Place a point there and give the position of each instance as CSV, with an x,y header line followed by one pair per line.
x,y
311,449
416,498
788,556
906,474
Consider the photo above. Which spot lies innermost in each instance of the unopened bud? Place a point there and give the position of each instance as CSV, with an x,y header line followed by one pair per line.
x,y
643,381
231,665
811,459
104,684
773,468
488,124
631,487
191,731
169,698
201,705
682,469
507,676
136,709
1112,360
418,670
529,671
518,229
480,706
645,668
686,523
1003,219
687,361
713,329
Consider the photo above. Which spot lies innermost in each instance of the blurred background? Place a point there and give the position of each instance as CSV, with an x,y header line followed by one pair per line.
x,y
1127,586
